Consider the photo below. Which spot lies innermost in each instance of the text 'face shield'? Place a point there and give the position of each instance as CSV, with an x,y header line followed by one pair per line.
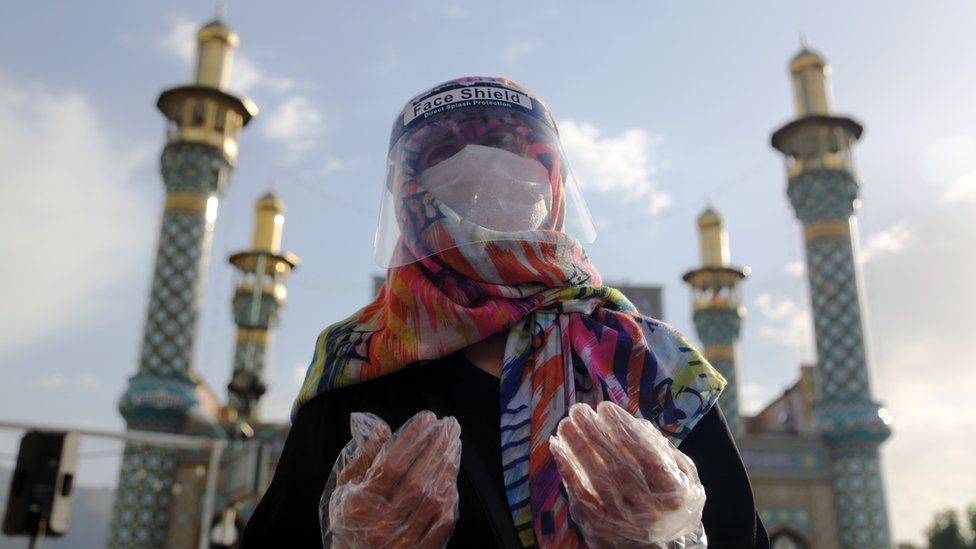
x,y
472,161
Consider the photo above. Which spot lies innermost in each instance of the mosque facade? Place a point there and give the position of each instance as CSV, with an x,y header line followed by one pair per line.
x,y
812,453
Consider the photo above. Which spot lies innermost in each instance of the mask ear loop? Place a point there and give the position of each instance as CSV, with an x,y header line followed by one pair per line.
x,y
549,157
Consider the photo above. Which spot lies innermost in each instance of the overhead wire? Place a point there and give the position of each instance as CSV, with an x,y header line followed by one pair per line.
x,y
288,175
686,205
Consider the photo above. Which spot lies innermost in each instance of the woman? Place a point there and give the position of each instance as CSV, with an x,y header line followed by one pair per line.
x,y
491,313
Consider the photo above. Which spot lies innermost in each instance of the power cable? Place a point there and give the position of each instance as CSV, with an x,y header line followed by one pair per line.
x,y
690,203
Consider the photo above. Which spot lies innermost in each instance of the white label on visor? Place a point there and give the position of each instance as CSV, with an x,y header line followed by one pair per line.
x,y
468,96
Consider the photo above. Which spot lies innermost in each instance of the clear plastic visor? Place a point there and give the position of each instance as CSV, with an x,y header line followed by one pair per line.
x,y
469,177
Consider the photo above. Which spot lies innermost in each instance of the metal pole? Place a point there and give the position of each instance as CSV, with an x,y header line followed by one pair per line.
x,y
41,532
206,520
145,437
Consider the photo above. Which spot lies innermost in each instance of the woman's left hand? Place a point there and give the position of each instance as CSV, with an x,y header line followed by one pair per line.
x,y
627,484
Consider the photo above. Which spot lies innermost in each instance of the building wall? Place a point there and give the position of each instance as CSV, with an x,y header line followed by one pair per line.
x,y
801,506
792,482
792,412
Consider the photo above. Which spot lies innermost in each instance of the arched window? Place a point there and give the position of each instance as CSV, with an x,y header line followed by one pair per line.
x,y
786,539
198,111
221,118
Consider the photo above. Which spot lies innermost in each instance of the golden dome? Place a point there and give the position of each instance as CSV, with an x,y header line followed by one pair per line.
x,y
216,29
805,59
270,202
709,217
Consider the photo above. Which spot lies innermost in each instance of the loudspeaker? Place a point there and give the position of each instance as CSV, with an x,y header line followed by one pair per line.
x,y
42,484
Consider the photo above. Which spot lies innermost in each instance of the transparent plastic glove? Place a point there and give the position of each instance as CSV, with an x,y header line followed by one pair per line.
x,y
628,485
394,490
696,539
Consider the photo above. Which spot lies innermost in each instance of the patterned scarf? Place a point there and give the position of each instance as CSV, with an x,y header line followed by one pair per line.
x,y
570,340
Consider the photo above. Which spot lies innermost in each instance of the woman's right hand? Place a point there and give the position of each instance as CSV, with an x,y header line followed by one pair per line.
x,y
399,490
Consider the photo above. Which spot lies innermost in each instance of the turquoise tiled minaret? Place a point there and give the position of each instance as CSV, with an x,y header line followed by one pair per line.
x,y
718,309
823,190
258,301
203,122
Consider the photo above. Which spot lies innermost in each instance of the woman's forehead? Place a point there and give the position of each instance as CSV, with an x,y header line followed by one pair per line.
x,y
463,130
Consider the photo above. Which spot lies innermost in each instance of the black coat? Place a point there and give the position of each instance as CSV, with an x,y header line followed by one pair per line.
x,y
288,513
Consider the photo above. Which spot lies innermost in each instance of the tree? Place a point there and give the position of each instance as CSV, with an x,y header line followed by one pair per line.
x,y
945,532
971,512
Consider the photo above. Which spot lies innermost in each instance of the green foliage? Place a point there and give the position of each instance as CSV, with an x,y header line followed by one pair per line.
x,y
946,532
971,515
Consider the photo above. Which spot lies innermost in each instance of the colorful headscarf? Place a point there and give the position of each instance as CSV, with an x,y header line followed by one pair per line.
x,y
570,339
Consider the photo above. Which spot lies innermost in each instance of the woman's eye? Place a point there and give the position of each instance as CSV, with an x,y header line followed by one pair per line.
x,y
439,154
493,141
504,142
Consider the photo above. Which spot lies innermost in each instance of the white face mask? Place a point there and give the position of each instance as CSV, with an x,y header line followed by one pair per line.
x,y
491,187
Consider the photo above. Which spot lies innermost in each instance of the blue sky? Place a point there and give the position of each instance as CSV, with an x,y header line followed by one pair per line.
x,y
660,106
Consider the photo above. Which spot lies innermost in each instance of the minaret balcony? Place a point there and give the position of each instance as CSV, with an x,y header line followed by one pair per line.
x,y
154,402
202,114
842,422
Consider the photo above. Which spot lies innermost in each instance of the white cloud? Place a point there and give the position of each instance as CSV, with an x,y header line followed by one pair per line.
x,y
247,76
69,208
457,11
54,381
90,381
72,381
389,61
620,164
775,310
963,189
180,40
519,50
950,163
891,240
795,268
244,74
296,124
333,164
786,321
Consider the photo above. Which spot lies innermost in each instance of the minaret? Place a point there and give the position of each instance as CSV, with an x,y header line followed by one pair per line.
x,y
258,300
203,122
718,309
823,190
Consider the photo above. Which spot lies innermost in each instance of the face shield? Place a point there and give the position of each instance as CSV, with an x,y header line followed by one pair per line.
x,y
472,161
